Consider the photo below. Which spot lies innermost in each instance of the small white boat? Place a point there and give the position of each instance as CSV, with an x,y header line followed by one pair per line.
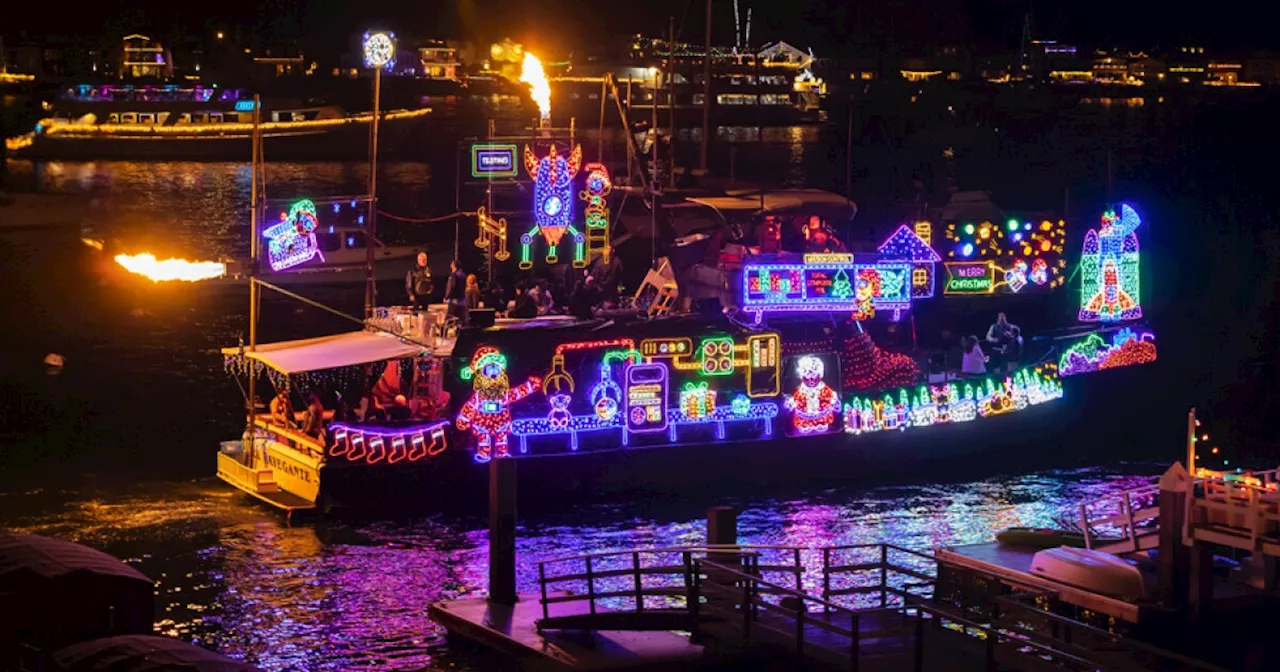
x,y
1090,570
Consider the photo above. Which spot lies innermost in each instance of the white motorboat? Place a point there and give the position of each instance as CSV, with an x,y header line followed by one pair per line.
x,y
1091,570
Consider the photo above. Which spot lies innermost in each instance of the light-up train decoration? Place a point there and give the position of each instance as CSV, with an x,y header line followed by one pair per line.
x,y
553,176
293,240
829,282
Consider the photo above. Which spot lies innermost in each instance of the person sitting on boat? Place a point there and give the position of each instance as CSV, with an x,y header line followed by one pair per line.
x,y
585,298
455,292
417,283
973,362
607,274
399,410
541,295
313,421
282,410
523,306
819,237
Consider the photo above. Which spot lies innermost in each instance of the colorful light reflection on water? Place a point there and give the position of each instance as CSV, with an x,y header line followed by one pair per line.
x,y
234,578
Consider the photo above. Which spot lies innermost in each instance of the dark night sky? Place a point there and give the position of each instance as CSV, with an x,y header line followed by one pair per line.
x,y
555,26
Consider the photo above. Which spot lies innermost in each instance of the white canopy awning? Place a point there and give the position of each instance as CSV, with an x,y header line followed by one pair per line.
x,y
330,352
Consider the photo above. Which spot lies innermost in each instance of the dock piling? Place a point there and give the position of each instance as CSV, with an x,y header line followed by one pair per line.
x,y
1173,561
502,531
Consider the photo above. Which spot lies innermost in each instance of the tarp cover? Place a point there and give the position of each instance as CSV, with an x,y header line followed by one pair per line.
x,y
24,554
143,653
829,206
330,352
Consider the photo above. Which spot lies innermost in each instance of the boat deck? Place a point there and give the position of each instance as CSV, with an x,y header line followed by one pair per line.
x,y
1013,565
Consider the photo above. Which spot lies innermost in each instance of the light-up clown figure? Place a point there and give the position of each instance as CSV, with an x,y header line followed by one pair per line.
x,y
596,214
1109,269
553,176
293,240
814,404
488,412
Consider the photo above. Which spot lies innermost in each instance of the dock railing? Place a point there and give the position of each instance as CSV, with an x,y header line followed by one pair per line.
x,y
1122,521
862,571
1239,510
650,578
1018,616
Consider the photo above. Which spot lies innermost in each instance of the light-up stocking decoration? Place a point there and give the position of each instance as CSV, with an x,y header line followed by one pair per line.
x,y
1109,269
293,240
488,412
553,176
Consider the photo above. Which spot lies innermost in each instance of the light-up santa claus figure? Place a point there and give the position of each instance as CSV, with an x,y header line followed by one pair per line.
x,y
814,404
488,412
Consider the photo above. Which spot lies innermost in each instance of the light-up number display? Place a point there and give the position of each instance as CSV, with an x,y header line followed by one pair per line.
x,y
646,397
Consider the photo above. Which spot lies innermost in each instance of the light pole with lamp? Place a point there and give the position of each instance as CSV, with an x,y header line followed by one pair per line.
x,y
379,53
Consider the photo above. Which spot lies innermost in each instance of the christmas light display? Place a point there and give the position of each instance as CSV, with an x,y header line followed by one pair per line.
x,y
760,357
490,231
597,211
827,286
864,366
908,245
1017,255
553,176
293,240
1093,353
488,412
379,50
814,404
1109,269
368,443
957,401
646,395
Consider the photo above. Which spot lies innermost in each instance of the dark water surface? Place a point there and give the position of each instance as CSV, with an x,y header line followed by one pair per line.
x,y
117,451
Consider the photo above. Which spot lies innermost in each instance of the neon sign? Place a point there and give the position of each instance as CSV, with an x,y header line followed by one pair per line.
x,y
1109,269
493,161
970,277
293,240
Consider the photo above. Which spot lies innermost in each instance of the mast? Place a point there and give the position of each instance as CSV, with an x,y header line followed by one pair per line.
x,y
370,289
706,97
254,290
671,102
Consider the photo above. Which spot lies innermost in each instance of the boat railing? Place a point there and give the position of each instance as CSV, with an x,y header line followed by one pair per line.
x,y
426,327
1244,506
649,578
858,573
290,437
1020,615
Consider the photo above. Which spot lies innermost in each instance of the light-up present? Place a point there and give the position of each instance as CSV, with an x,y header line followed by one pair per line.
x,y
293,240
952,402
1109,269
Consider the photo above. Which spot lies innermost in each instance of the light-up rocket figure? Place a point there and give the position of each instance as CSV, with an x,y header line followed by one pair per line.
x,y
1109,267
553,204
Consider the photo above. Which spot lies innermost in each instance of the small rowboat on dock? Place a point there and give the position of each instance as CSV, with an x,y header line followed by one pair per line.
x,y
1040,537
1096,571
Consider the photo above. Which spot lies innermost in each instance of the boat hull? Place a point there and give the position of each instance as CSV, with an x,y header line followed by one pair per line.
x,y
333,143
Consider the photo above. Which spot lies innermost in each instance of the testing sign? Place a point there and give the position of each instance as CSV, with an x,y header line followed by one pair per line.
x,y
494,161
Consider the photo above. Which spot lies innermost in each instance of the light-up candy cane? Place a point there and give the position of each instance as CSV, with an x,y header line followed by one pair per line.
x,y
553,205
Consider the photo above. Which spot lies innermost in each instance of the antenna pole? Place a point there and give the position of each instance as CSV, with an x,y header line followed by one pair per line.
x,y
254,290
371,232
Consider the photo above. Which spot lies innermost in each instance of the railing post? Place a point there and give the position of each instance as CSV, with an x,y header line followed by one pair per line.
x,y
919,647
542,585
826,579
691,599
800,611
884,575
856,648
635,563
799,582
591,587
1084,526
993,638
746,609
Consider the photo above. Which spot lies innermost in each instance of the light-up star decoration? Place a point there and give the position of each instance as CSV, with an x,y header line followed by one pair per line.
x,y
293,240
1109,265
553,176
379,50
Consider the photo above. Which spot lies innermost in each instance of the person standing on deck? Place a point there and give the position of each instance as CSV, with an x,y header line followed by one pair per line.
x,y
607,274
417,283
455,292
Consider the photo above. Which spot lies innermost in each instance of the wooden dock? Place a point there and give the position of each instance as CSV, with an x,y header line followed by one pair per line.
x,y
512,630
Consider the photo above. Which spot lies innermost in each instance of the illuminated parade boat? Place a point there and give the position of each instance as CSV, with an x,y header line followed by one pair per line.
x,y
159,121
